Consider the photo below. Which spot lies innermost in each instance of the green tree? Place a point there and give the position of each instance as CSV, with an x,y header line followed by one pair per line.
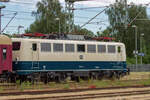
x,y
46,14
83,31
106,32
117,18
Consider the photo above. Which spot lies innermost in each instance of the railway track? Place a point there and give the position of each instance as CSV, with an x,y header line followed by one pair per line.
x,y
76,94
35,92
91,96
14,84
7,85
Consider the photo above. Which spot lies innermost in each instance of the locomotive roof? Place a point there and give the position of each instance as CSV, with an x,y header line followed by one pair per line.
x,y
5,40
70,41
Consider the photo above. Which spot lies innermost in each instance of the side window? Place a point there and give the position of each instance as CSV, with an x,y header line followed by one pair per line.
x,y
111,49
119,49
58,47
91,48
101,48
16,46
34,46
81,48
45,47
4,53
69,47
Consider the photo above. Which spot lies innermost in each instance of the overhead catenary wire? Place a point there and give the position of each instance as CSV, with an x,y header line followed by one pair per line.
x,y
14,26
103,11
21,2
143,19
89,8
35,11
97,22
10,21
33,16
138,14
94,17
93,11
30,12
83,17
33,19
19,18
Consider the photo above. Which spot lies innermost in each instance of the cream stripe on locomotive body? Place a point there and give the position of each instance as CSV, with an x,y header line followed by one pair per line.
x,y
66,60
25,52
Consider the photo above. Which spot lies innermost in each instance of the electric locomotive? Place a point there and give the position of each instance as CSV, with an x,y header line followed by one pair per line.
x,y
55,60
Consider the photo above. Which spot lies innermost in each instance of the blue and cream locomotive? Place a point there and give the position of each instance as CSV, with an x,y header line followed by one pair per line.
x,y
58,59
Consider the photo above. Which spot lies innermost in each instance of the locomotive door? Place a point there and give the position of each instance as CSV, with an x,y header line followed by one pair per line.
x,y
35,56
120,51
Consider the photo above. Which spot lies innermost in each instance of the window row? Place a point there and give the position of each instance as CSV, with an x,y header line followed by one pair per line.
x,y
58,47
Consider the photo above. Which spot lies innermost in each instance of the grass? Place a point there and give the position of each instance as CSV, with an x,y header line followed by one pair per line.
x,y
18,82
101,83
66,86
1,89
145,82
39,86
143,79
82,84
22,86
110,83
53,85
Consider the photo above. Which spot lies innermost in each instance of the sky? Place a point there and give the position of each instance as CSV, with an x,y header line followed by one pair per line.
x,y
25,7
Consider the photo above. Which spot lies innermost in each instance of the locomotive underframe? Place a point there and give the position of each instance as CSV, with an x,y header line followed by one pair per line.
x,y
61,76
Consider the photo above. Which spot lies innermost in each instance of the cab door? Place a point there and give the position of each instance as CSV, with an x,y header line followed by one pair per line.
x,y
119,53
35,55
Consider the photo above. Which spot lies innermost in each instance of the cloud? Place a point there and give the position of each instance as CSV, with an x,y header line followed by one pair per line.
x,y
85,3
27,4
90,3
106,2
62,1
95,3
139,1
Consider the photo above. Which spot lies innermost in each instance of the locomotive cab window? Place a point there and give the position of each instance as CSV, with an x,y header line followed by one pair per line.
x,y
69,47
4,53
16,46
119,49
58,47
34,46
81,48
111,49
101,48
45,47
91,48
